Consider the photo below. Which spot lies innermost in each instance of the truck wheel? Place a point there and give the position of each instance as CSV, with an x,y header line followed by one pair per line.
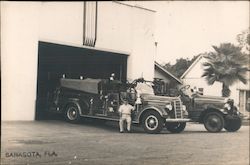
x,y
232,123
72,114
152,122
213,122
175,127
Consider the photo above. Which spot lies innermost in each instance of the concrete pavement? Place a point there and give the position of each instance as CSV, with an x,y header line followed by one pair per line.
x,y
59,142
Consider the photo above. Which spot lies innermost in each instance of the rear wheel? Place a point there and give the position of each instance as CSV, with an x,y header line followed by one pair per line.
x,y
213,122
72,113
175,127
232,123
152,122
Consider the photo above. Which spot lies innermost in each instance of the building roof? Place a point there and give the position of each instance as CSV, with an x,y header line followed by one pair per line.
x,y
191,66
167,72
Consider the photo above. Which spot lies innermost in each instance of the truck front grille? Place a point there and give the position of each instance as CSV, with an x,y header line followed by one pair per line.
x,y
177,109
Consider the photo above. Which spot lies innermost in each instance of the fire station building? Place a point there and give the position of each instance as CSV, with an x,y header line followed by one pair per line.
x,y
43,41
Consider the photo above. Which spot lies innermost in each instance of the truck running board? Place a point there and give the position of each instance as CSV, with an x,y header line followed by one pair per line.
x,y
178,120
102,117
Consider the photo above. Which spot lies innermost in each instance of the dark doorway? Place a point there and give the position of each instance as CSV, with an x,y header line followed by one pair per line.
x,y
55,60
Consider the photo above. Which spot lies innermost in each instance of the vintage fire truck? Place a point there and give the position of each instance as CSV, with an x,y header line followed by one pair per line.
x,y
100,99
214,112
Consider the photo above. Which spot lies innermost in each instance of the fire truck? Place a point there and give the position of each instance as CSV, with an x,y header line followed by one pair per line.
x,y
77,99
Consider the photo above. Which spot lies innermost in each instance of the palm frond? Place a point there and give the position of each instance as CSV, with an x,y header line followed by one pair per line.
x,y
216,49
206,64
210,80
227,65
242,78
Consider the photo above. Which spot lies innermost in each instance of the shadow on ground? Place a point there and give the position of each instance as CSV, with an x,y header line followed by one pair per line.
x,y
112,126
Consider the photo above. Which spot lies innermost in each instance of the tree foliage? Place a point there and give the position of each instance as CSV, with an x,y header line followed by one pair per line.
x,y
227,64
180,66
244,40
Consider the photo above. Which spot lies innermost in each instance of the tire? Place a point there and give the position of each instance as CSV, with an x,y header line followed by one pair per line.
x,y
232,123
175,127
72,113
152,122
213,122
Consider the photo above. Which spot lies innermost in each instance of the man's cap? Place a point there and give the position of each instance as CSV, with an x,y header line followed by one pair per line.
x,y
230,100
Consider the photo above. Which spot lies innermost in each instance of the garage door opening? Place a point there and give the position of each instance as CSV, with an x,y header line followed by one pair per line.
x,y
55,60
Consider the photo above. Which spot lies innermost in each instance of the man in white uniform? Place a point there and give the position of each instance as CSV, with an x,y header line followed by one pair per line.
x,y
125,115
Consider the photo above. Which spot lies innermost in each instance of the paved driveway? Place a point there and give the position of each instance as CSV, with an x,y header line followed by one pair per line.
x,y
58,142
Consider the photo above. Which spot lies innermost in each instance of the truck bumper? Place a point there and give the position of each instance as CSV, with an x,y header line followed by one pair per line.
x,y
177,120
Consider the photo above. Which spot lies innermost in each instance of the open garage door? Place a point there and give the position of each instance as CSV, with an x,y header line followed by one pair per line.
x,y
55,60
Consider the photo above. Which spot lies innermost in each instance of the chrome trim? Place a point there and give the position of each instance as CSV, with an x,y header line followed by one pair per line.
x,y
177,120
178,110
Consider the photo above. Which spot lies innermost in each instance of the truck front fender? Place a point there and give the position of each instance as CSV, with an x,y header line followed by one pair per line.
x,y
218,110
149,108
75,101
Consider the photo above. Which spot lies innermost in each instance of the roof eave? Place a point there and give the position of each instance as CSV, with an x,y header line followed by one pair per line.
x,y
167,72
191,66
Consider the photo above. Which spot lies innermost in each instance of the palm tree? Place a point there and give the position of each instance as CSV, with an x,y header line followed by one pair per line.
x,y
226,65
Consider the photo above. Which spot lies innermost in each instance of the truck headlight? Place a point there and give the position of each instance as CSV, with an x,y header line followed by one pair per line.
x,y
169,106
184,108
227,106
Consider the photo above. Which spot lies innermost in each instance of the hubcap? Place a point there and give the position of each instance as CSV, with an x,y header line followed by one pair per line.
x,y
151,122
214,122
72,113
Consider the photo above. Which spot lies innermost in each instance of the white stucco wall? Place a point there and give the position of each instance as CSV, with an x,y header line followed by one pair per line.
x,y
128,29
19,47
141,61
121,28
61,22
116,21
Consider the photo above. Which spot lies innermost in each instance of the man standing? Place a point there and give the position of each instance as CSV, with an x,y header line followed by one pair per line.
x,y
125,115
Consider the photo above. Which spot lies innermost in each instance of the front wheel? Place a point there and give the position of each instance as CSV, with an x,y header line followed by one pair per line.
x,y
72,114
232,123
175,127
213,122
152,122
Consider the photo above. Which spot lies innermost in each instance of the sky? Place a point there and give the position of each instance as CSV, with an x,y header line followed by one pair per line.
x,y
184,29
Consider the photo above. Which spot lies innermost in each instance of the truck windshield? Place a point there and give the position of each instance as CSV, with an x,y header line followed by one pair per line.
x,y
144,88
